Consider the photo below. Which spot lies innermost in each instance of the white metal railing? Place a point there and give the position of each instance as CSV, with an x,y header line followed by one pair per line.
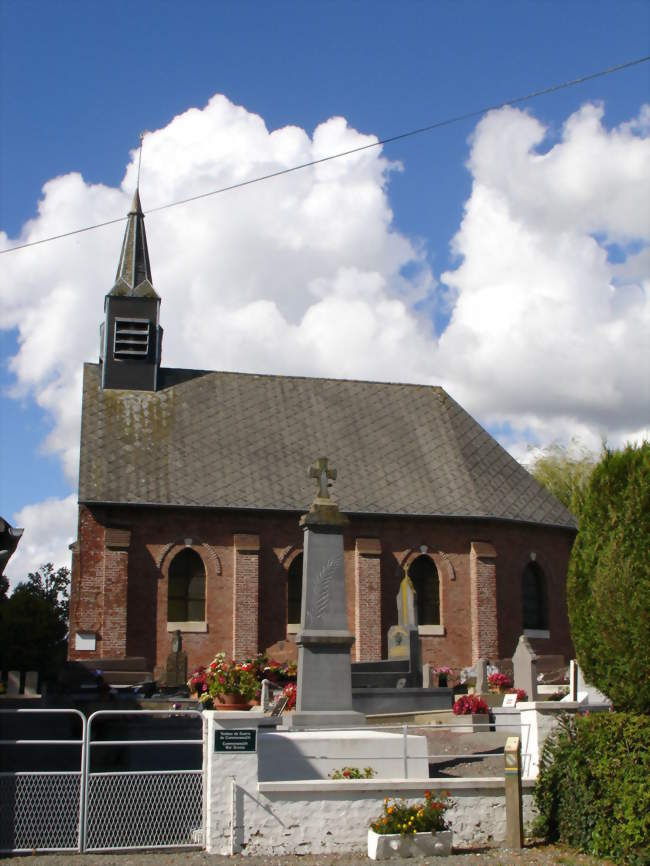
x,y
430,727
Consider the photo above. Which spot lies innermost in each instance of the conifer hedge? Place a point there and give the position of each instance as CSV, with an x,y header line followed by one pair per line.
x,y
593,790
608,584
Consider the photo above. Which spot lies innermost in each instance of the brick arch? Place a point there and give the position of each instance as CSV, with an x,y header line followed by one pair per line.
x,y
207,553
539,560
288,555
440,559
444,568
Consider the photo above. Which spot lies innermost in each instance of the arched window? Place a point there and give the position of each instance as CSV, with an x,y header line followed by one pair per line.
x,y
186,588
425,580
534,598
294,591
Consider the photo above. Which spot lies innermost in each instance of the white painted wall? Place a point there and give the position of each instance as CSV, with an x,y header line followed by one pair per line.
x,y
292,755
538,718
324,816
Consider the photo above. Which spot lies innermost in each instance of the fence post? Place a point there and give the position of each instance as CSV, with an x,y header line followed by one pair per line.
x,y
512,771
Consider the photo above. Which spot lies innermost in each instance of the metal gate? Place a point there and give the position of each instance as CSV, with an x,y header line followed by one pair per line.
x,y
120,780
41,779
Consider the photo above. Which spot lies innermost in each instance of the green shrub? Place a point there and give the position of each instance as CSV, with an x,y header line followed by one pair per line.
x,y
608,584
593,790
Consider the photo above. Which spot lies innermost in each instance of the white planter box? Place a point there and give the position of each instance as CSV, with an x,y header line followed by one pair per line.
x,y
391,846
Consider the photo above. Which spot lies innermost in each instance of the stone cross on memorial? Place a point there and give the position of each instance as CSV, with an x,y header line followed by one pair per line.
x,y
324,688
324,475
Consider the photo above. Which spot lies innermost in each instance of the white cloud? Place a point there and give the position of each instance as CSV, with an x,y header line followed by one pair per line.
x,y
548,334
305,273
50,526
248,279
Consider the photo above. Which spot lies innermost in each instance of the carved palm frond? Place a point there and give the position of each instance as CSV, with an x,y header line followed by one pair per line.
x,y
323,584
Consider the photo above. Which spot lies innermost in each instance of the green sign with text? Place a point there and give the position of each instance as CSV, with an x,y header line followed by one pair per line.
x,y
235,740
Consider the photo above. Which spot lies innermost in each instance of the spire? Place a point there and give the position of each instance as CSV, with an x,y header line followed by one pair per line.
x,y
133,278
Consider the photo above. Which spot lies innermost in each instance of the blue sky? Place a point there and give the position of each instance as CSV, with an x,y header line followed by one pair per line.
x,y
81,80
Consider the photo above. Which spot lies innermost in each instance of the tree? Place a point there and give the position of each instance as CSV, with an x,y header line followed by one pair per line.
x,y
33,622
565,472
608,585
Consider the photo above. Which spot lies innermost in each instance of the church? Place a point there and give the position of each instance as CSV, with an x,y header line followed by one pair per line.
x,y
192,483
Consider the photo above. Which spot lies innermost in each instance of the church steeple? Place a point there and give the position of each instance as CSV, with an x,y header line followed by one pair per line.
x,y
131,337
133,277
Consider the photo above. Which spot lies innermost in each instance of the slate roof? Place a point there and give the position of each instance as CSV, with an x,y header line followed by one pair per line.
x,y
241,441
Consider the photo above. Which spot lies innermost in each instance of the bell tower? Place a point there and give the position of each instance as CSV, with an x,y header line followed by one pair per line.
x,y
130,335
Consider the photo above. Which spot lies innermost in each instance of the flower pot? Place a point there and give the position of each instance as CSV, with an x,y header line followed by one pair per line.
x,y
393,846
231,701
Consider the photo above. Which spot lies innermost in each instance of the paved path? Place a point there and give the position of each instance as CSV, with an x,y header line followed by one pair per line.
x,y
544,855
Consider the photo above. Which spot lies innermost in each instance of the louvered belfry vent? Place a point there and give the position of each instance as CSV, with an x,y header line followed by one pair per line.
x,y
131,338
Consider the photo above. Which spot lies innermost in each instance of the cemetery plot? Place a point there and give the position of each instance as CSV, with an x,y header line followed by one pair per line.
x,y
477,755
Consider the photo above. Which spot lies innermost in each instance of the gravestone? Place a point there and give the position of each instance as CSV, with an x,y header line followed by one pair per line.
x,y
176,670
31,684
13,683
482,685
324,687
524,664
403,638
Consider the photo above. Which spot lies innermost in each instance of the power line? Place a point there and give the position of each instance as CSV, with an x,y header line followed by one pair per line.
x,y
469,115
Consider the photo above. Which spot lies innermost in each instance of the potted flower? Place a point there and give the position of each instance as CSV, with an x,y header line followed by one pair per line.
x,y
476,708
498,682
198,686
280,672
410,831
353,773
443,673
290,692
225,684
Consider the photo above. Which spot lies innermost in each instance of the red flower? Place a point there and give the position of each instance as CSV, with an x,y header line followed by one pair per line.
x,y
469,705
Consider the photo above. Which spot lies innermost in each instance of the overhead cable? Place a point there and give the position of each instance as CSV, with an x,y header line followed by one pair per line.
x,y
469,115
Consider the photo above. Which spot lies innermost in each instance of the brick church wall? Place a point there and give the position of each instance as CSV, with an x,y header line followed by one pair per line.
x,y
246,588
